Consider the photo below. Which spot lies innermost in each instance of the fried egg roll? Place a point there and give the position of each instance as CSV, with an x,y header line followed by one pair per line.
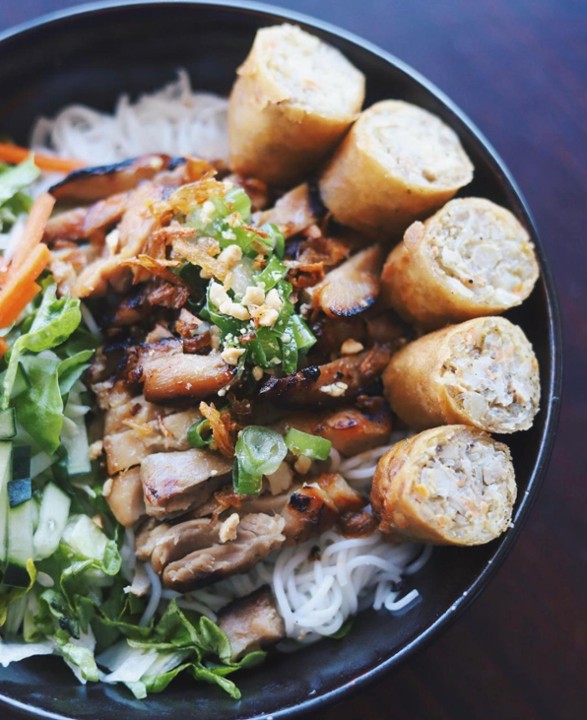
x,y
471,258
481,372
397,163
294,98
451,485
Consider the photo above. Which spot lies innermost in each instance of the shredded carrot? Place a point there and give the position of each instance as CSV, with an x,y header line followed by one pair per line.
x,y
14,154
33,230
3,347
20,287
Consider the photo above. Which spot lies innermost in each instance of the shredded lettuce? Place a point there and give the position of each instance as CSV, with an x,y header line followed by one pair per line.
x,y
13,180
50,353
181,641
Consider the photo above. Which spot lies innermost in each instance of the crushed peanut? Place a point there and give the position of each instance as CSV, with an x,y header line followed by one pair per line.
x,y
351,347
228,529
266,316
254,295
218,294
302,465
273,300
231,355
235,310
335,389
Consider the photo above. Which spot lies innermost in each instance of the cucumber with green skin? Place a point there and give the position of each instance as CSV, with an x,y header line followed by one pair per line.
x,y
7,424
53,516
5,475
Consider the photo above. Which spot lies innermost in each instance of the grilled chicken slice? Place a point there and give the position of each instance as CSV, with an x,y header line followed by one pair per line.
x,y
350,288
174,482
292,213
124,495
228,501
84,222
351,430
95,183
315,507
68,225
252,622
139,437
334,383
184,376
137,357
257,535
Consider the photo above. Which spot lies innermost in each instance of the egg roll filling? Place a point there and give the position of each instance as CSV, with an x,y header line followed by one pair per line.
x,y
483,251
466,487
492,375
306,66
416,146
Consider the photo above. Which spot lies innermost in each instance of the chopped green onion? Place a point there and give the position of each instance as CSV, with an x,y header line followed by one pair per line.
x,y
199,434
258,451
274,271
236,200
312,446
304,337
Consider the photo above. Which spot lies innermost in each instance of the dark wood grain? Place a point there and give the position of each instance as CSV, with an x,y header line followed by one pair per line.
x,y
519,70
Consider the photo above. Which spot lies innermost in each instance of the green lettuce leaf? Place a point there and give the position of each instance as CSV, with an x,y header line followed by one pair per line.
x,y
39,409
55,320
13,180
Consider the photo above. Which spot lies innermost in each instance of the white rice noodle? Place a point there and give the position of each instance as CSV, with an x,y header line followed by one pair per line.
x,y
173,120
155,597
315,597
127,555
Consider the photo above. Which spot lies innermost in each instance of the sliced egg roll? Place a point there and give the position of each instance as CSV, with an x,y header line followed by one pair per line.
x,y
471,258
481,372
450,485
397,163
294,98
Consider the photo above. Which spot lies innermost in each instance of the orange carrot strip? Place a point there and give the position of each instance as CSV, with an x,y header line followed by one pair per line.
x,y
21,287
3,347
34,228
14,154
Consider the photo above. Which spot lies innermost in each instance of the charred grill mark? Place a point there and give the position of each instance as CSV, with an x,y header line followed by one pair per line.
x,y
299,502
274,387
94,183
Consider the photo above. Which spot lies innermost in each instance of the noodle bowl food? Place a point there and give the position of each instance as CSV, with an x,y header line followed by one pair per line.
x,y
225,424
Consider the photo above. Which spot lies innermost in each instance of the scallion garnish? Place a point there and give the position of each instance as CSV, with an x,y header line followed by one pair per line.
x,y
312,446
258,451
200,434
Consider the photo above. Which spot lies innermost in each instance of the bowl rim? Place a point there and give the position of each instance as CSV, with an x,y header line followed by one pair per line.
x,y
553,382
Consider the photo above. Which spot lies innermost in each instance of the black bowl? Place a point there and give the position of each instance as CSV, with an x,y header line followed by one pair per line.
x,y
93,54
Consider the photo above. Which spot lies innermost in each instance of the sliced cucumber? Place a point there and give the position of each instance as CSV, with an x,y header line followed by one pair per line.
x,y
7,424
20,486
53,517
85,538
20,544
78,450
5,475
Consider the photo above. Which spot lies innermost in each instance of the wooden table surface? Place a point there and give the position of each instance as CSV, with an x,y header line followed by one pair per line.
x,y
518,68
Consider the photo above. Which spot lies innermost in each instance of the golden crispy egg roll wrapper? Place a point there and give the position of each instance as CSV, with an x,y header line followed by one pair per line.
x,y
450,485
471,258
481,372
397,163
294,98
